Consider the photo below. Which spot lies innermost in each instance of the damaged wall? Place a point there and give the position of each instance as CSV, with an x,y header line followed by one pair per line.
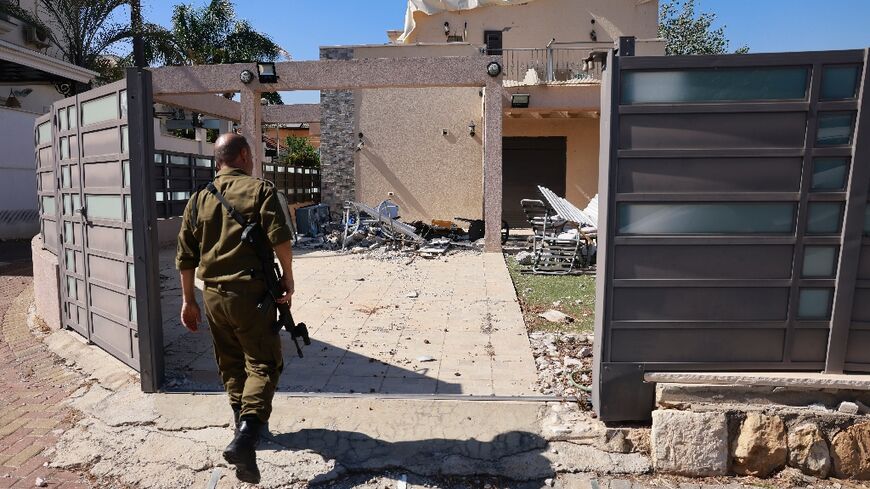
x,y
432,175
535,23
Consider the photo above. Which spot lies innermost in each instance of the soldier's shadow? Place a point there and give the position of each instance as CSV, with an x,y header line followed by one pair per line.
x,y
514,454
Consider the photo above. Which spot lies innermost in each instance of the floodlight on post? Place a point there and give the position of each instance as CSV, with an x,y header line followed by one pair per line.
x,y
266,72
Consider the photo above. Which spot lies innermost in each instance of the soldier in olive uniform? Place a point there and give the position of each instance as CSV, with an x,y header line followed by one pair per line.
x,y
247,349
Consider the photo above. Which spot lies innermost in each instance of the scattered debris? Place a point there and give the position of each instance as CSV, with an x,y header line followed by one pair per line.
x,y
525,257
847,407
863,408
40,482
563,368
425,358
412,294
555,316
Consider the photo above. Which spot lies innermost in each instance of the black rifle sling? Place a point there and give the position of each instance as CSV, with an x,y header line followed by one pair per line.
x,y
230,209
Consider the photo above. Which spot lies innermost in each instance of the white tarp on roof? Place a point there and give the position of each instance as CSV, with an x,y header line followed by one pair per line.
x,y
432,7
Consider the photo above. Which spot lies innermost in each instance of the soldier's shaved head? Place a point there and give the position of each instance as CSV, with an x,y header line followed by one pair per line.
x,y
233,150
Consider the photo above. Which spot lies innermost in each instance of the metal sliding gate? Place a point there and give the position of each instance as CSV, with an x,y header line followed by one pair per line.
x,y
735,229
87,213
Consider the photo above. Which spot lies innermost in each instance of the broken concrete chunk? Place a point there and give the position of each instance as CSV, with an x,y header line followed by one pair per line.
x,y
847,407
412,294
40,482
863,408
525,258
555,316
808,451
760,448
687,443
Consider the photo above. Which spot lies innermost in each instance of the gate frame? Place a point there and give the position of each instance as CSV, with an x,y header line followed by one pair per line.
x,y
196,88
619,390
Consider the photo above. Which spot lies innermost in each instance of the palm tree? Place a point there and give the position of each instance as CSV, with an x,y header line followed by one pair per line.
x,y
86,33
210,35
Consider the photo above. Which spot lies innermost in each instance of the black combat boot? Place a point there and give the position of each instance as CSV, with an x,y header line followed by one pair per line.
x,y
241,451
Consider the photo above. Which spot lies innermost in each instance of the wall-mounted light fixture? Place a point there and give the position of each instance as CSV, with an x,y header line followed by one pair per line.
x,y
447,28
266,72
361,143
471,129
520,100
444,132
246,76
493,69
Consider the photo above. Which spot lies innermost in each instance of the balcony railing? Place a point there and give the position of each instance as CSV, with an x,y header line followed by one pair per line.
x,y
555,63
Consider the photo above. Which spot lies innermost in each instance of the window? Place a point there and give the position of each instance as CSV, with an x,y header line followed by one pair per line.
x,y
814,303
824,217
840,82
715,85
819,262
706,218
100,109
493,41
835,128
829,173
105,207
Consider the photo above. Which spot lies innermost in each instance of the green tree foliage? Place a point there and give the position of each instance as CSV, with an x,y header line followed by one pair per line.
x,y
687,32
87,32
210,34
299,152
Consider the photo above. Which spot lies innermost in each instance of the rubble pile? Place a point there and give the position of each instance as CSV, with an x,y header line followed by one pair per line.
x,y
564,363
393,238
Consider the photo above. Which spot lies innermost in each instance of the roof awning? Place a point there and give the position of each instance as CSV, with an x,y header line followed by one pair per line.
x,y
19,64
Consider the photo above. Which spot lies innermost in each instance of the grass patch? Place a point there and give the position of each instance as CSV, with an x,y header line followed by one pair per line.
x,y
573,295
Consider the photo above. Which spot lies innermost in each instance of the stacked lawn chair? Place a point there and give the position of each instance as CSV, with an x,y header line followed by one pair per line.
x,y
564,239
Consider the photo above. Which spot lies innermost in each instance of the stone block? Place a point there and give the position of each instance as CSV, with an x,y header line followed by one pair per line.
x,y
760,447
687,443
808,450
850,451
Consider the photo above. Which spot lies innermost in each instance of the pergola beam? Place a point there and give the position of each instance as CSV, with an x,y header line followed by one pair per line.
x,y
458,71
280,114
213,105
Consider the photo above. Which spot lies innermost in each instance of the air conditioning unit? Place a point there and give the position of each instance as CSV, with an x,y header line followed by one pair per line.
x,y
36,36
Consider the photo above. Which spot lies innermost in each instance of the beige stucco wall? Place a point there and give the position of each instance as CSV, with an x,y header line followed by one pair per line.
x,y
535,23
432,176
581,172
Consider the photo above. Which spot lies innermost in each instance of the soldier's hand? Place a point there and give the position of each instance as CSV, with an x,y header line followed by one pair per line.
x,y
191,316
287,282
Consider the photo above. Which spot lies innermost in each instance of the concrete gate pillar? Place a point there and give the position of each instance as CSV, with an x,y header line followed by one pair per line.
x,y
492,164
252,127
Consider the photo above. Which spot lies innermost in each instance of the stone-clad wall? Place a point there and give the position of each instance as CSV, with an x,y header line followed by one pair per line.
x,y
337,139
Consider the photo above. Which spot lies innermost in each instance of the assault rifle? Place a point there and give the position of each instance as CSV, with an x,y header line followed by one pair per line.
x,y
254,235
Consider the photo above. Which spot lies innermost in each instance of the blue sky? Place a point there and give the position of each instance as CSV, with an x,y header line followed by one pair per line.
x,y
301,26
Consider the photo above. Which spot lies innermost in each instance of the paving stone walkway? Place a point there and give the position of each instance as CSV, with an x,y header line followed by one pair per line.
x,y
404,326
33,386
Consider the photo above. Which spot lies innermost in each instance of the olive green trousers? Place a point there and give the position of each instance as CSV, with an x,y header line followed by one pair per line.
x,y
247,349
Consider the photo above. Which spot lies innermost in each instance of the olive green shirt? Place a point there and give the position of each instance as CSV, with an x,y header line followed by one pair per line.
x,y
213,240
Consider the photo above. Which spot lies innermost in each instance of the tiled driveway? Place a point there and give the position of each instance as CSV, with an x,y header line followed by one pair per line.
x,y
463,333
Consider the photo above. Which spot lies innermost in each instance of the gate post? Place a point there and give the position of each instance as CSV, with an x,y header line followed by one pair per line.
x,y
140,120
853,231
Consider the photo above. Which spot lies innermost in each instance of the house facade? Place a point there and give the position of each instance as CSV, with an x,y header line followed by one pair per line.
x,y
32,77
423,148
